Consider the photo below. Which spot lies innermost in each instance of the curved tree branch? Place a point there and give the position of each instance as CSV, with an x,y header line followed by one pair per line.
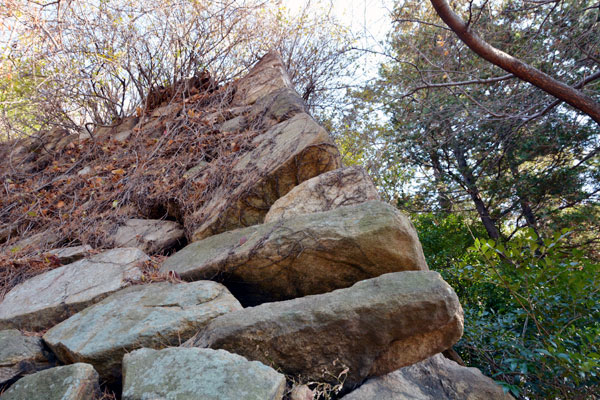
x,y
566,93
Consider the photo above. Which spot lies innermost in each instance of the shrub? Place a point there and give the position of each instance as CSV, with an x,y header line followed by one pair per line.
x,y
532,315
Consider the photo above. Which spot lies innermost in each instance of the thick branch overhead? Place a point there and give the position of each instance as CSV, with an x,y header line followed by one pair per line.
x,y
526,72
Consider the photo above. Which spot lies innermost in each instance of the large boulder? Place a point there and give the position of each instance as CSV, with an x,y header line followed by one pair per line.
x,y
156,315
53,296
267,76
184,373
341,187
371,328
71,382
288,153
308,254
435,378
149,235
20,355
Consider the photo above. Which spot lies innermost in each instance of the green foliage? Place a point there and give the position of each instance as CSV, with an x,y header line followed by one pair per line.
x,y
467,133
532,315
445,238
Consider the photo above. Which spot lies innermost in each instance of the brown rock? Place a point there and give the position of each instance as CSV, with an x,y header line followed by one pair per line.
x,y
435,378
287,154
372,328
333,189
309,254
302,392
275,107
268,75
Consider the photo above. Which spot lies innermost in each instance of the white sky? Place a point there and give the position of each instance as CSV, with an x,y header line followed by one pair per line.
x,y
367,16
368,19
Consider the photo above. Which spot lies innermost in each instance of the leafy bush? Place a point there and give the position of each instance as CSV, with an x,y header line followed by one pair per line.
x,y
532,315
532,309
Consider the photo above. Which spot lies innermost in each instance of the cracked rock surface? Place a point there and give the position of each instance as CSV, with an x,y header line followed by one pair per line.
x,y
155,316
190,373
51,297
308,254
338,188
150,235
20,355
70,382
370,329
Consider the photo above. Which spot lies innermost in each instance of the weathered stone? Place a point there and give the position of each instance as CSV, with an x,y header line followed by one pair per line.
x,y
233,125
151,127
122,135
64,142
168,110
302,392
127,124
184,373
71,382
20,355
149,235
372,328
195,171
53,296
277,106
67,255
268,75
287,154
223,114
119,130
87,170
37,242
6,232
435,378
157,315
308,254
333,189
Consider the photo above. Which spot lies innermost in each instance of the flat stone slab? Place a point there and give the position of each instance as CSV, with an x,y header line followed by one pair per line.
x,y
372,328
51,297
435,378
149,235
156,316
341,187
202,374
71,382
20,355
308,254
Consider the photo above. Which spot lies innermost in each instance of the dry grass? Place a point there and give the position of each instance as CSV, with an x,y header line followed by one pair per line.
x,y
142,176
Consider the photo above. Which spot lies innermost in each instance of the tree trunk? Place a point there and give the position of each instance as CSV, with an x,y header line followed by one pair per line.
x,y
524,202
444,200
470,183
